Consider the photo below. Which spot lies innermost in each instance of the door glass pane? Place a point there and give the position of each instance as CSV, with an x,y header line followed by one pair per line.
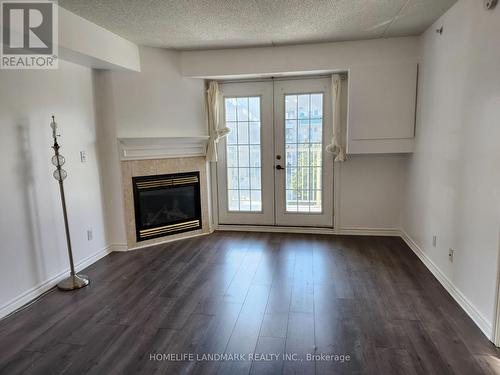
x,y
232,156
243,154
232,178
291,107
291,131
255,133
303,152
316,106
243,133
232,137
303,134
230,105
255,179
303,106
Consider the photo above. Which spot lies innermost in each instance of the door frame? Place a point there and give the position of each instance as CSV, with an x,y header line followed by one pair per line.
x,y
215,223
266,217
323,219
496,323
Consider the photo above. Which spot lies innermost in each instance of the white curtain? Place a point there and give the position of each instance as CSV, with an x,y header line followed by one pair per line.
x,y
216,130
338,144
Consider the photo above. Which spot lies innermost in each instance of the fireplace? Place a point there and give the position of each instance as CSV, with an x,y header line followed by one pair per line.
x,y
166,204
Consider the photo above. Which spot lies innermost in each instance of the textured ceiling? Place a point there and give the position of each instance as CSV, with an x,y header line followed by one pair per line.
x,y
200,24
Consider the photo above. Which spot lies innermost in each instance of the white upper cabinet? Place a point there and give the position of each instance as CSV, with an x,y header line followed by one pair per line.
x,y
381,114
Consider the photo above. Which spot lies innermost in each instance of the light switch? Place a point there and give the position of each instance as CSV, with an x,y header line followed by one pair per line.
x,y
83,156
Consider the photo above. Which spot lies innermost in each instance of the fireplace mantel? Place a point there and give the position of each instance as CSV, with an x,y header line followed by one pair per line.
x,y
161,148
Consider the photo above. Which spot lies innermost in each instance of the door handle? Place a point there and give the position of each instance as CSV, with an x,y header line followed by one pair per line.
x,y
279,167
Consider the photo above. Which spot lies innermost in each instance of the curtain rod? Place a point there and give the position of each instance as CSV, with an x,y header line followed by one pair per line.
x,y
343,76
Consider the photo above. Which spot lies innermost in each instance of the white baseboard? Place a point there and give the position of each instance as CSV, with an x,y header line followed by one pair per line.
x,y
271,229
484,325
118,247
44,286
388,232
310,230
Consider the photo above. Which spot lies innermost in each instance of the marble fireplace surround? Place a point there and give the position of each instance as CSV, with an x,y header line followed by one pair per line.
x,y
163,160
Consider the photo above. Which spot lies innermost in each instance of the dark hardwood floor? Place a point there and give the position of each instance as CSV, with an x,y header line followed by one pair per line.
x,y
368,298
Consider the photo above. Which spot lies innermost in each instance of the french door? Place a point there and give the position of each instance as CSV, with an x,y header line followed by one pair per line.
x,y
273,168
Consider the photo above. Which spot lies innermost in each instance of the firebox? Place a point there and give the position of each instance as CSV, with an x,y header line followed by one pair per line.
x,y
166,204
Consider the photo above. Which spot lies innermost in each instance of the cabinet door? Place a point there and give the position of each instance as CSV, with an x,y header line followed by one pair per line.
x,y
382,108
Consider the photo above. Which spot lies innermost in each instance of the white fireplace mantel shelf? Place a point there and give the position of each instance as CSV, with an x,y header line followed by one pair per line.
x,y
161,148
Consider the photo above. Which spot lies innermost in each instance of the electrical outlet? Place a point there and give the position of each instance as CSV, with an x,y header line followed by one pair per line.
x,y
451,253
83,156
434,241
89,235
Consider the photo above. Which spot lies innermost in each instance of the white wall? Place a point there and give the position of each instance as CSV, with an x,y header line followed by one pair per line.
x,y
108,154
454,175
33,247
86,43
379,206
297,59
158,101
371,192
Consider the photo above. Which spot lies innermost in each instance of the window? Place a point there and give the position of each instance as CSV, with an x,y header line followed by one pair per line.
x,y
303,152
243,153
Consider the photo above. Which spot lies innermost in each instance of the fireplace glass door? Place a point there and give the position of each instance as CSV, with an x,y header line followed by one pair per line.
x,y
166,204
